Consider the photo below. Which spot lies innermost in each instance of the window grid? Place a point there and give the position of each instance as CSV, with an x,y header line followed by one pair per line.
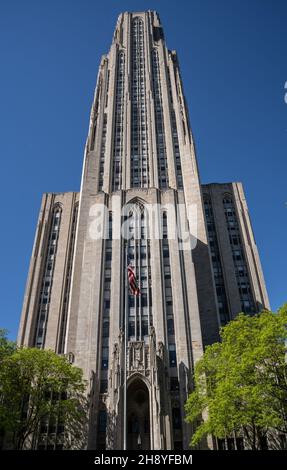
x,y
119,124
95,116
61,344
175,140
47,280
139,307
139,128
223,308
51,432
168,295
159,124
240,264
102,154
106,301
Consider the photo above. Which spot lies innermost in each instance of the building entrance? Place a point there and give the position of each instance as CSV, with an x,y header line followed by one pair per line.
x,y
138,416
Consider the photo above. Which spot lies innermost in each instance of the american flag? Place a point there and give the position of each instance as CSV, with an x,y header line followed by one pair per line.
x,y
134,288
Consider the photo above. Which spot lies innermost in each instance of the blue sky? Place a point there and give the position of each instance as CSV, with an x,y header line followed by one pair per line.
x,y
233,61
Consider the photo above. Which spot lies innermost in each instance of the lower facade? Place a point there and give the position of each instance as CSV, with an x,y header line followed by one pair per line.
x,y
138,352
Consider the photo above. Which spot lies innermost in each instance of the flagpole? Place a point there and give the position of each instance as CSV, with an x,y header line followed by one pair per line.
x,y
125,345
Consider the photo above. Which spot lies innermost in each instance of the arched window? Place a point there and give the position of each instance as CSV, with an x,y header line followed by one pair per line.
x,y
227,199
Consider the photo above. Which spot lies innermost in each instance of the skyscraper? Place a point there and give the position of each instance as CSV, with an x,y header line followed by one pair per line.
x,y
191,249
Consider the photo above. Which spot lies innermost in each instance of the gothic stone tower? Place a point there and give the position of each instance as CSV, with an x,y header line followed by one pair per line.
x,y
140,166
140,151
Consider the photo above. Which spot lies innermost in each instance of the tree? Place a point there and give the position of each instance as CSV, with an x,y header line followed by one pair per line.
x,y
241,382
7,347
41,390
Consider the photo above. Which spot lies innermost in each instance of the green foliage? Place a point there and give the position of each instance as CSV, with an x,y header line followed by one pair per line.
x,y
241,383
38,387
6,347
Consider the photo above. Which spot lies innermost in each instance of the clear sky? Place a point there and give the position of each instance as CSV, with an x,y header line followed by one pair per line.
x,y
233,62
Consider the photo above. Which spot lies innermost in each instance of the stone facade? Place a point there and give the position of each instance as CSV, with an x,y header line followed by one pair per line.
x,y
234,254
138,352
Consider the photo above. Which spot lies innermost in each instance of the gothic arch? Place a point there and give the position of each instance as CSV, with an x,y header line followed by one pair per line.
x,y
136,201
138,413
137,376
136,208
227,198
58,206
137,20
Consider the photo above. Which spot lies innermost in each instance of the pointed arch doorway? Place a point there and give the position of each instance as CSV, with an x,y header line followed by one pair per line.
x,y
138,416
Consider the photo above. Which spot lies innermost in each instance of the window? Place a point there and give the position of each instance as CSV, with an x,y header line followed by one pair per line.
x,y
145,327
216,261
170,326
172,355
144,300
139,165
165,252
102,421
44,299
131,328
176,418
159,122
240,264
103,386
102,152
108,256
106,327
167,272
107,297
174,384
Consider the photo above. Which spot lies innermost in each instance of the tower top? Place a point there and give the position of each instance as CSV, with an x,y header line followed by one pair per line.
x,y
153,14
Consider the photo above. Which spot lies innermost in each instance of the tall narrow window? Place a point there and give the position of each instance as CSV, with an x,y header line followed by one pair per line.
x,y
168,292
63,324
159,124
95,115
139,307
216,263
240,263
102,428
139,129
119,124
106,300
102,154
175,140
47,279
